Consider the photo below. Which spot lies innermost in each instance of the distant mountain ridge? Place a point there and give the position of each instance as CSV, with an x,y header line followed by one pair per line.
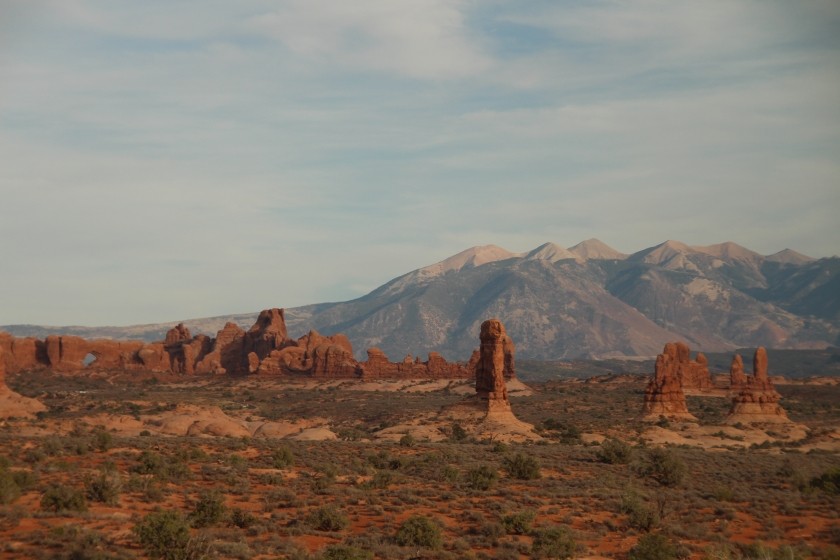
x,y
588,300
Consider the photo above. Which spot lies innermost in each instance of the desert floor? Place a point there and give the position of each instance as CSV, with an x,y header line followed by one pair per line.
x,y
133,465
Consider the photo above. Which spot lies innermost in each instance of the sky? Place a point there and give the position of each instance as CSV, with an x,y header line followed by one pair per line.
x,y
175,159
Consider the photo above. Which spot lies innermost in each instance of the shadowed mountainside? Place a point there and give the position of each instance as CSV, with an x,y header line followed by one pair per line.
x,y
585,301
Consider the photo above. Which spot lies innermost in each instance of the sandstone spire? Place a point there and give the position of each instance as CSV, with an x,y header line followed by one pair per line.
x,y
490,371
737,377
664,396
487,414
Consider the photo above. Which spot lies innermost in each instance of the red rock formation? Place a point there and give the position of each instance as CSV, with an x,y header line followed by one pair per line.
x,y
228,353
737,377
177,334
264,349
692,374
23,353
760,365
487,414
70,353
267,334
13,404
664,396
331,361
378,366
490,371
756,400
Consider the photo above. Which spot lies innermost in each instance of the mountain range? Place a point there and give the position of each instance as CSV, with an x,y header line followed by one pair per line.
x,y
585,301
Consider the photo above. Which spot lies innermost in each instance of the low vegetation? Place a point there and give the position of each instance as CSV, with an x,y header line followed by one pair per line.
x,y
97,493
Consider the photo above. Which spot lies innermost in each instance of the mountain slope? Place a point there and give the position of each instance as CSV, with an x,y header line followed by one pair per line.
x,y
585,301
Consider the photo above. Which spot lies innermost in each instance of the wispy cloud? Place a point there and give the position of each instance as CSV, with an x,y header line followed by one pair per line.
x,y
300,151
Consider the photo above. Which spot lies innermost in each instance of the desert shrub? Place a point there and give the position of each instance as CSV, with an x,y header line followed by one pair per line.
x,y
761,551
457,432
663,466
150,462
60,498
381,480
639,515
567,433
327,518
102,440
105,487
614,452
351,434
209,510
553,542
166,534
481,478
12,483
653,546
280,498
492,531
9,490
522,467
407,440
345,552
828,482
518,523
241,518
419,531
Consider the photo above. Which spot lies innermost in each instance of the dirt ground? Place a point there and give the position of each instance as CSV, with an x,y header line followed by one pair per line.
x,y
272,468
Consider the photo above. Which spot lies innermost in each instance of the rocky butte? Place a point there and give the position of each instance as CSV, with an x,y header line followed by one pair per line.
x,y
264,349
14,405
487,414
664,396
755,399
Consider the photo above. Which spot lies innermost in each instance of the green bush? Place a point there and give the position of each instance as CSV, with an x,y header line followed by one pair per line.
x,y
614,452
481,478
518,523
241,518
102,440
9,489
165,469
328,518
209,510
828,482
639,515
663,466
105,487
566,432
457,433
419,531
522,467
166,534
407,441
59,498
653,546
344,552
553,542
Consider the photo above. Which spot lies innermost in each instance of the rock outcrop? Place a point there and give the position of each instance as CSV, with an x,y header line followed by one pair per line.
x,y
755,399
487,414
12,404
264,349
737,377
378,366
664,396
691,374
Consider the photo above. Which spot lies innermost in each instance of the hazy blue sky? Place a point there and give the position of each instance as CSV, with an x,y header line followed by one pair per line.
x,y
168,159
